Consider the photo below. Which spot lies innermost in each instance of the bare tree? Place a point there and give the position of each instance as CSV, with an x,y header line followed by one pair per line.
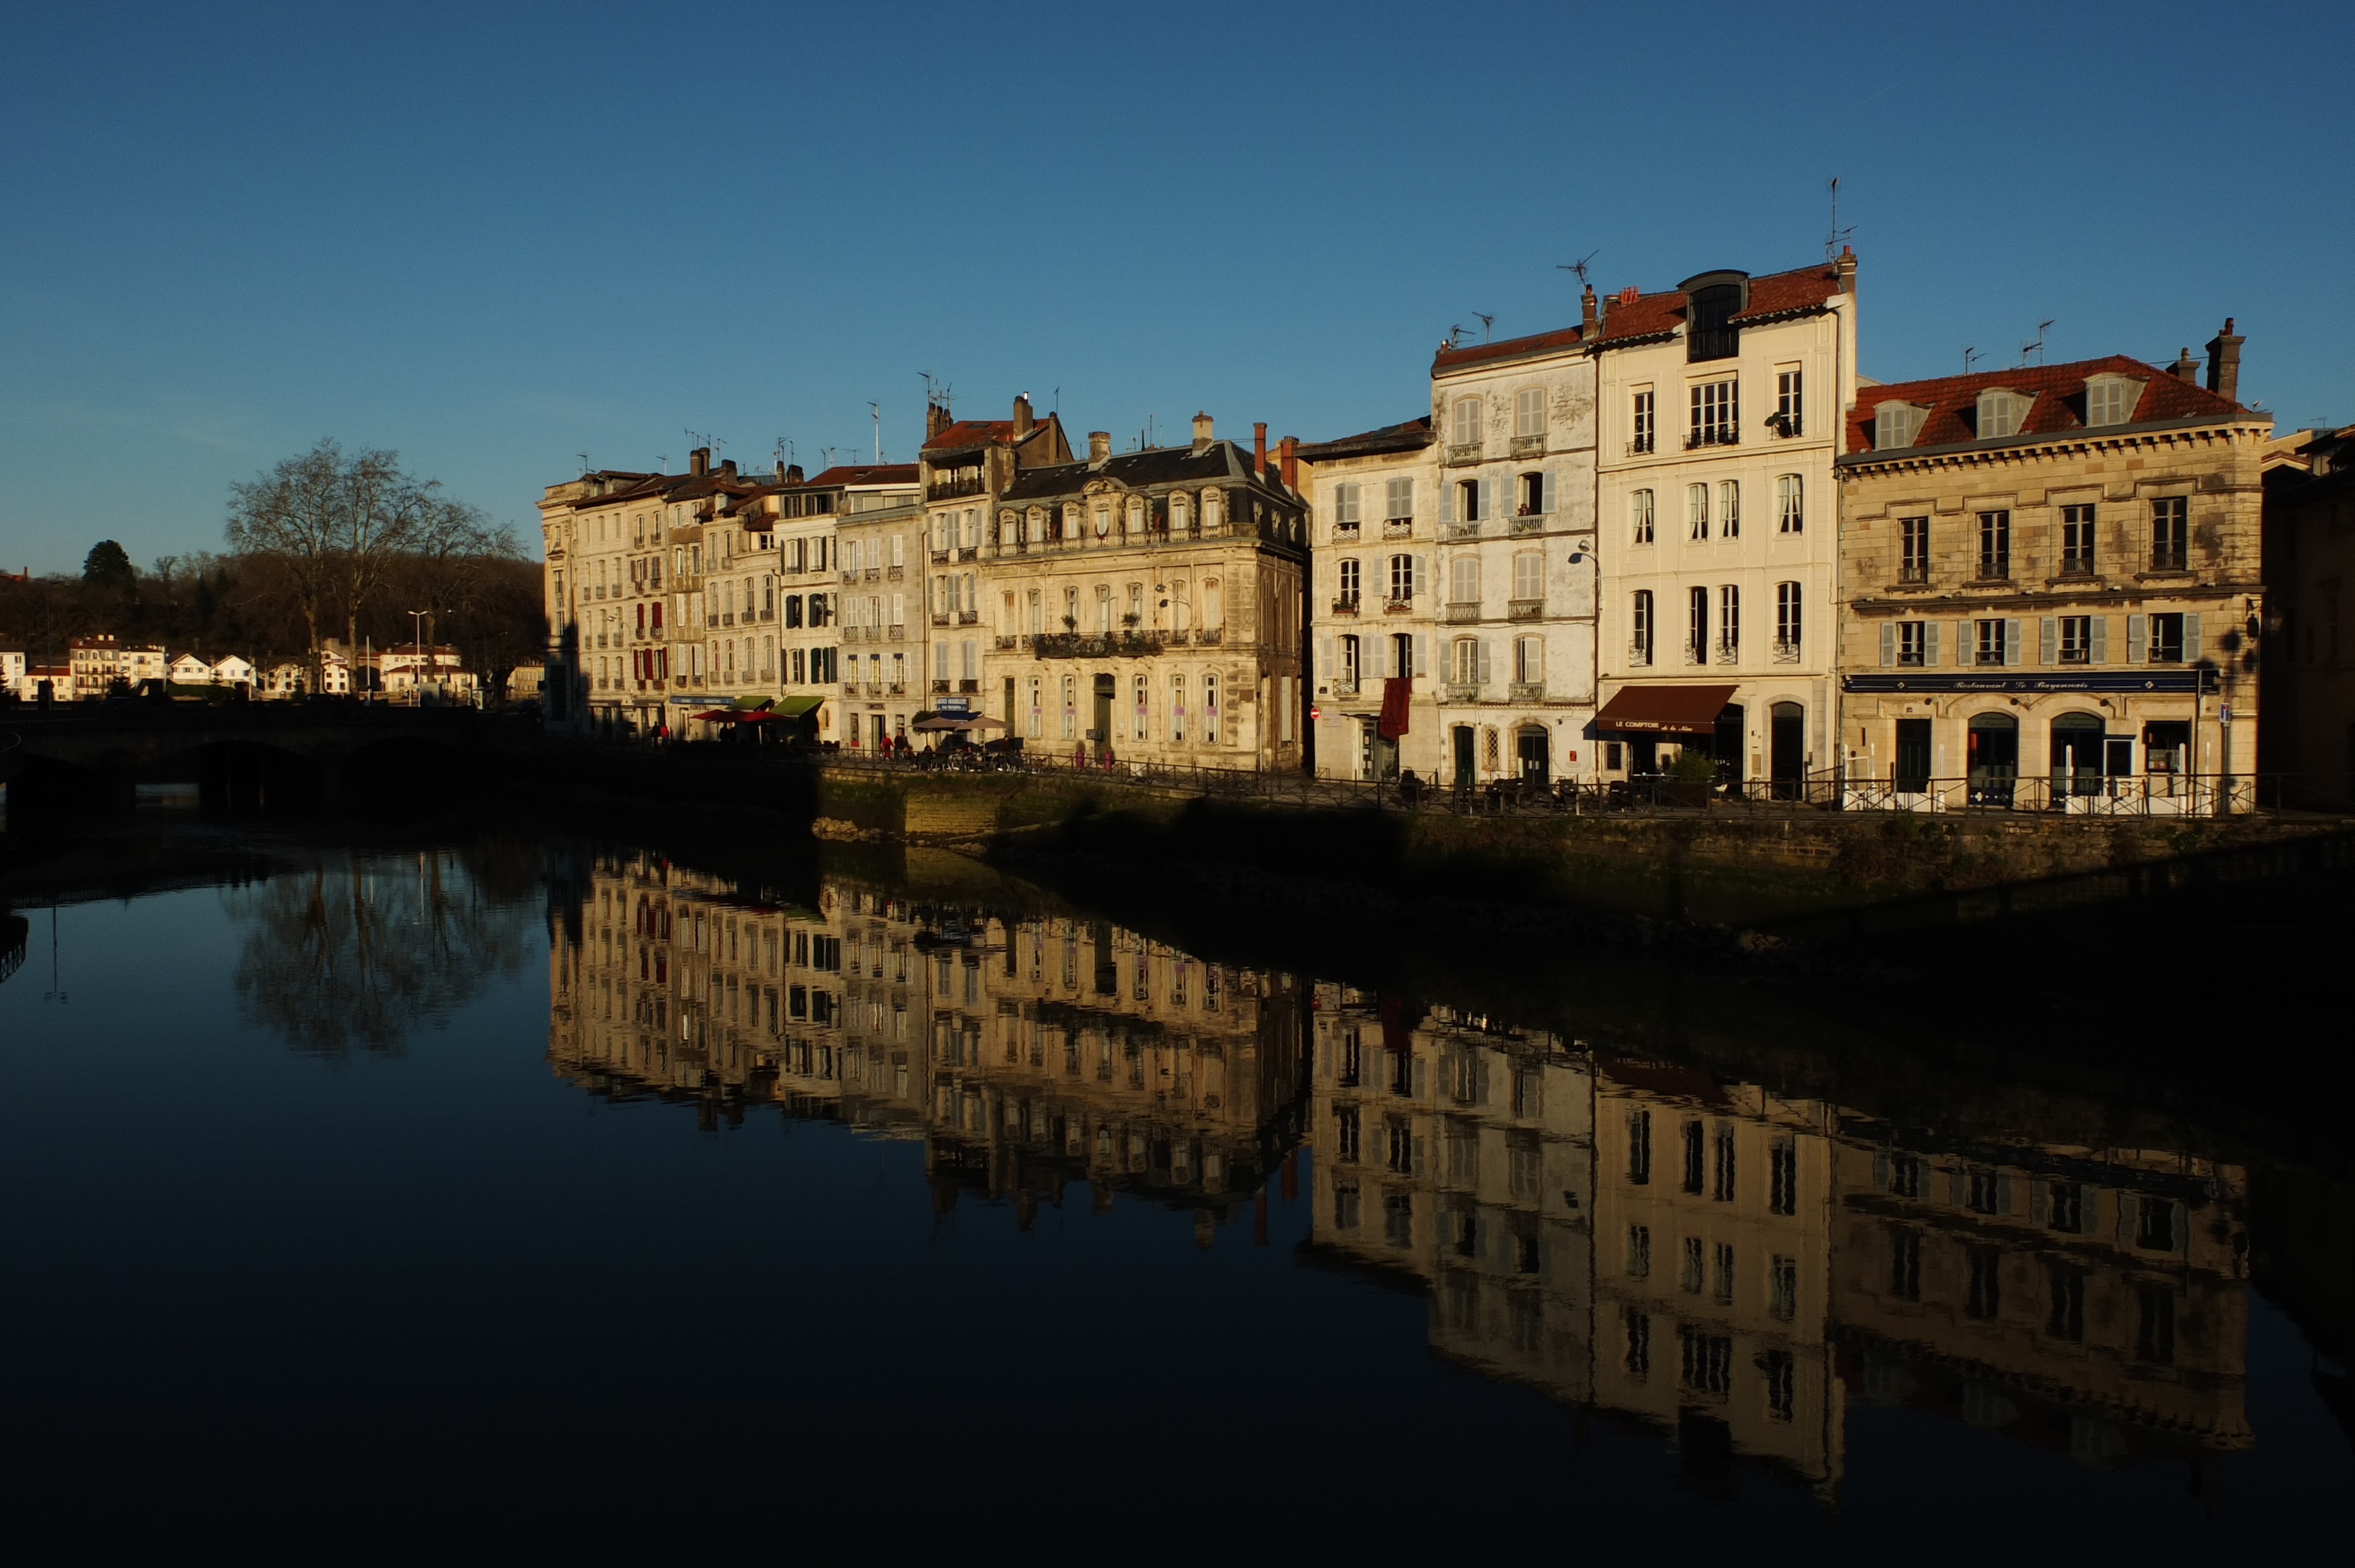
x,y
337,525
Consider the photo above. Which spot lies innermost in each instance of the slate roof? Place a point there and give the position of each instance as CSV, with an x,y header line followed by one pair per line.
x,y
868,474
1222,461
1412,435
2058,401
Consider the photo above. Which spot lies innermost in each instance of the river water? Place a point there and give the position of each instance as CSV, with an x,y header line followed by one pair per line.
x,y
521,1194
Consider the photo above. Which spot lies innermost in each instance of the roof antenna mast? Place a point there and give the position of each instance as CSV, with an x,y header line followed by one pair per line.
x,y
1579,266
877,408
2037,348
1487,320
1832,241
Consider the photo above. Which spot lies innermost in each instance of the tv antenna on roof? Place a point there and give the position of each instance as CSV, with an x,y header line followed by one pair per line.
x,y
584,460
877,408
1453,334
662,462
1968,355
1579,266
2037,346
1487,320
1832,241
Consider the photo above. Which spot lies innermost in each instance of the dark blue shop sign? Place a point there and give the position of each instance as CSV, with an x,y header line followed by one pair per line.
x,y
2186,681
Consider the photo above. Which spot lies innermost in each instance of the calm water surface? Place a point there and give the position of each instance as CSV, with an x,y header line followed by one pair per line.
x,y
540,1197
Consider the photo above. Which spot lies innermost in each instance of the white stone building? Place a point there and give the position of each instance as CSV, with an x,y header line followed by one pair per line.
x,y
1722,405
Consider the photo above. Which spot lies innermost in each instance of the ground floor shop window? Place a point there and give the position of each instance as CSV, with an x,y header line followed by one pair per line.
x,y
1993,759
2166,751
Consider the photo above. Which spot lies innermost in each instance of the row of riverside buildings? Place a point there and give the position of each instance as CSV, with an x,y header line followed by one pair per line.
x,y
1703,1258
1688,524
103,664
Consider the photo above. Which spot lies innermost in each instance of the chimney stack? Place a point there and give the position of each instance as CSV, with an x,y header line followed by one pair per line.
x,y
2185,368
793,474
1099,447
1202,434
699,461
1290,470
1586,312
1023,418
2224,362
1844,272
728,467
936,420
1258,448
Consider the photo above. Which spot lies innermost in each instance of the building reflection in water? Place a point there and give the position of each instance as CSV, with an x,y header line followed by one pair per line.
x,y
1724,1267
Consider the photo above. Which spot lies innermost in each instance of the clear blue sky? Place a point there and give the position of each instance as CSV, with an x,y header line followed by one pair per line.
x,y
493,237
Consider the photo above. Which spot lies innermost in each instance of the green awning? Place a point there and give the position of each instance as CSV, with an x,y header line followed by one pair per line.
x,y
752,704
795,707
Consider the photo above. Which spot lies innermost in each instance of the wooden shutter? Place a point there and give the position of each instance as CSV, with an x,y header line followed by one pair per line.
x,y
1480,665
2047,638
2191,638
1888,643
1546,494
1966,647
1487,496
1421,654
2099,649
1421,579
1930,644
1446,501
2138,637
1325,657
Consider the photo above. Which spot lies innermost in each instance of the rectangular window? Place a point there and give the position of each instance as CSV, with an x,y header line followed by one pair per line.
x,y
1983,1294
1639,645
1729,508
1782,1380
1721,1191
1529,412
1697,612
1639,512
1398,504
1638,1359
1715,415
1995,545
1695,512
1639,1147
1639,1251
2076,640
1905,1264
2076,541
1783,1176
1402,579
1912,549
2170,537
1790,504
1913,643
1987,648
2167,638
1696,1166
1787,610
1707,1361
1729,624
1348,581
1176,708
2065,1320
1642,432
1345,505
1782,1286
1788,419
1689,1276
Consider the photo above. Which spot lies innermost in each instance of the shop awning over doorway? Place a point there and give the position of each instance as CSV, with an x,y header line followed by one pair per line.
x,y
795,707
1669,710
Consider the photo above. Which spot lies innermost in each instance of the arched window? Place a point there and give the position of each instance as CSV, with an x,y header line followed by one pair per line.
x,y
1008,531
1209,710
1695,511
1181,608
1135,525
1070,521
1178,511
1468,662
1103,607
1214,511
1103,522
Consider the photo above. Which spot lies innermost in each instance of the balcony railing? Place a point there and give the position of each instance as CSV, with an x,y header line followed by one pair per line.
x,y
968,553
1786,652
1464,451
1526,692
1398,607
1398,527
1912,574
1713,435
1640,447
1463,609
1461,528
1524,610
1102,644
895,574
1528,522
969,684
968,617
1728,652
1462,691
1006,645
1639,653
940,557
1345,686
967,483
898,688
1344,533
940,688
1528,446
1346,605
898,633
939,617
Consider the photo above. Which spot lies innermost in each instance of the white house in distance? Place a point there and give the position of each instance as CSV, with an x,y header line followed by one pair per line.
x,y
1722,404
189,670
12,672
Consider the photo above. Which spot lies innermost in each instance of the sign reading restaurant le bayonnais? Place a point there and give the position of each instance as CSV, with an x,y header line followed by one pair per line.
x,y
2022,685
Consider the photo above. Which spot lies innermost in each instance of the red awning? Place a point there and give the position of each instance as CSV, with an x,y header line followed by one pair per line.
x,y
1674,710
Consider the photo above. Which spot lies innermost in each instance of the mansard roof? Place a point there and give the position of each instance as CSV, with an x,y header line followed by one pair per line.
x,y
2057,394
1220,462
1411,434
1629,319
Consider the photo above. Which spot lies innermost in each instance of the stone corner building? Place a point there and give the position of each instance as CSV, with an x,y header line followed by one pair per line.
x,y
2054,586
1147,605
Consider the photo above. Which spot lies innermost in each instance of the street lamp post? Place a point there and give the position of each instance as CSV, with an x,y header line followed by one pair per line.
x,y
416,688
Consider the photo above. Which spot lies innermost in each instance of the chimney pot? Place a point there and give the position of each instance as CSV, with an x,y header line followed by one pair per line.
x,y
2185,368
1630,294
1023,418
1289,472
2224,362
1099,446
1586,311
699,461
1259,447
1203,437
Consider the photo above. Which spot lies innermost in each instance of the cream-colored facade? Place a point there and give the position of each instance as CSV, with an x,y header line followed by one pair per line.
x,y
878,535
1148,606
1722,404
1373,499
2054,589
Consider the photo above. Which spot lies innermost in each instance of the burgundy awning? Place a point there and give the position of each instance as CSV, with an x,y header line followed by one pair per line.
x,y
1672,710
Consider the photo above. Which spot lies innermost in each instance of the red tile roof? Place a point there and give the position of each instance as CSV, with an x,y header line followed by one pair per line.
x,y
2058,400
1509,348
1771,295
869,473
974,433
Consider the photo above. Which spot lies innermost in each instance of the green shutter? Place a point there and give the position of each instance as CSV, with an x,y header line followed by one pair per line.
x,y
1930,644
2047,638
2099,650
2191,638
2012,651
2138,637
1888,643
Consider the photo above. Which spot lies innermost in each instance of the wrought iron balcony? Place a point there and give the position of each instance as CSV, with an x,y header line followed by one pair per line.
x,y
1462,691
1526,692
1528,446
1460,452
1524,610
1786,652
1640,447
1346,605
1463,609
1712,436
1344,533
1530,522
1398,607
1398,527
1461,528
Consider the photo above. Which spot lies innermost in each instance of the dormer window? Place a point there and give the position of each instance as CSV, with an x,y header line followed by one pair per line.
x,y
2002,413
1710,332
2111,399
1896,424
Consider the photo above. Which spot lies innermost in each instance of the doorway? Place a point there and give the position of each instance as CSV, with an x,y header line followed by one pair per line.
x,y
1911,774
1643,755
1786,750
1101,731
2166,755
1725,744
1536,756
1462,736
878,719
1994,766
2077,755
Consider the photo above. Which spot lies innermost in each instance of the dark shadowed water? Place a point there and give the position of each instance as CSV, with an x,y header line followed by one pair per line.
x,y
536,1197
